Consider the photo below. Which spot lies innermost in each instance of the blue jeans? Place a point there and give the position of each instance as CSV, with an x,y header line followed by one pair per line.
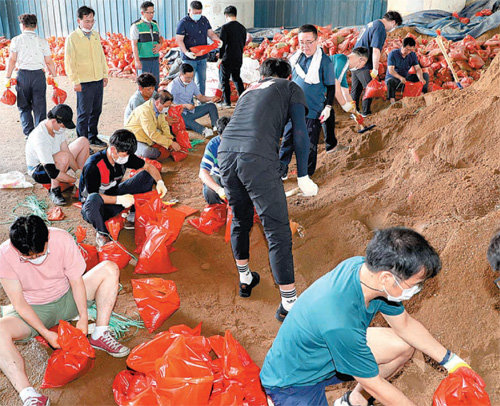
x,y
30,91
200,71
200,111
89,108
151,65
312,395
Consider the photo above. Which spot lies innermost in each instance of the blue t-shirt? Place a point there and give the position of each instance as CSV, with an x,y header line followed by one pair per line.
x,y
315,94
400,63
325,332
182,93
373,35
195,33
209,161
340,68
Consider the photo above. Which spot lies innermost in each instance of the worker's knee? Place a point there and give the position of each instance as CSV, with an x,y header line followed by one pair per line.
x,y
402,349
110,270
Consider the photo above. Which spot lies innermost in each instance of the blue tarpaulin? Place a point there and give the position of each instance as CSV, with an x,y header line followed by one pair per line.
x,y
428,21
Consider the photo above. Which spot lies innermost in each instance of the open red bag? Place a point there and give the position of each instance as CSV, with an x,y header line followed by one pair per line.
x,y
182,138
157,299
375,89
115,225
116,252
155,256
55,213
176,111
133,388
185,330
211,220
58,95
231,395
413,89
89,252
184,375
147,205
461,388
178,156
74,359
200,50
8,97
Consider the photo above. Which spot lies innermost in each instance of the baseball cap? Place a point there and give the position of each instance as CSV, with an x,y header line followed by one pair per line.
x,y
64,114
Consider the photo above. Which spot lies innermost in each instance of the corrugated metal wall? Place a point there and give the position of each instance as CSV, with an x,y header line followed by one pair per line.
x,y
293,13
58,17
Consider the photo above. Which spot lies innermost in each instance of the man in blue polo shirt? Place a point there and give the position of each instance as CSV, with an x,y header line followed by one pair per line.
x,y
372,37
326,338
399,63
312,70
193,30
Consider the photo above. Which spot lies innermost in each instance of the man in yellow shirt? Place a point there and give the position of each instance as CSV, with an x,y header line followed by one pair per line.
x,y
150,126
85,65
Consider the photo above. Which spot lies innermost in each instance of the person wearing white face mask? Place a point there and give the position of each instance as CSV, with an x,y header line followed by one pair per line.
x,y
326,338
102,191
193,30
48,155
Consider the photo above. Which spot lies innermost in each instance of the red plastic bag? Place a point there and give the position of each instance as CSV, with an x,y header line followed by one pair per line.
x,y
176,111
182,139
115,225
178,156
413,89
74,359
116,252
90,255
212,218
185,330
155,256
147,205
204,49
157,299
8,97
133,388
58,95
80,233
232,395
55,214
461,388
375,89
475,61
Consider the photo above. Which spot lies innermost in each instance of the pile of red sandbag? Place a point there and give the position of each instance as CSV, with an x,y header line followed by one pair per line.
x,y
176,368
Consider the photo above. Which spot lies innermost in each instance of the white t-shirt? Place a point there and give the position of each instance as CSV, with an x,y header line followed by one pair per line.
x,y
41,146
31,50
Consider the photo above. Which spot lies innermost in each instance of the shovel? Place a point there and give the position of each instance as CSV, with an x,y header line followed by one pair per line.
x,y
439,40
360,120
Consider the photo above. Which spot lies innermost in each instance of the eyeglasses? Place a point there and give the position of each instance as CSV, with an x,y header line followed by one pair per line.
x,y
420,284
148,12
307,43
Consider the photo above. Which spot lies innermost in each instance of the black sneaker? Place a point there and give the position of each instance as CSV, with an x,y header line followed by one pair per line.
x,y
246,289
56,196
281,313
96,142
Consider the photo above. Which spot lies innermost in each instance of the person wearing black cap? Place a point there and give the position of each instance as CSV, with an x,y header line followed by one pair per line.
x,y
48,155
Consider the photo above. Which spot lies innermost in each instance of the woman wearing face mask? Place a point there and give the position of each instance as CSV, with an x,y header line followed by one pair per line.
x,y
48,155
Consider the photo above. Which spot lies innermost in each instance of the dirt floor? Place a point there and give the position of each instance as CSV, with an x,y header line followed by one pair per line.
x,y
432,163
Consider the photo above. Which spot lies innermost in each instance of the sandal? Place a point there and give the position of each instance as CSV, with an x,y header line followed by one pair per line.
x,y
246,289
281,313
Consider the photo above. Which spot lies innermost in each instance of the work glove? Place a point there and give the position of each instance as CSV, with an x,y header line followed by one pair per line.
x,y
325,114
8,82
307,186
161,188
374,73
455,363
190,55
349,107
221,193
125,200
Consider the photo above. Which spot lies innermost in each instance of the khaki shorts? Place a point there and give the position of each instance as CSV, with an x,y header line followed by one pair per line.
x,y
63,308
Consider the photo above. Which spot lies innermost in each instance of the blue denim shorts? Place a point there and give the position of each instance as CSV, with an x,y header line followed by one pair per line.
x,y
312,395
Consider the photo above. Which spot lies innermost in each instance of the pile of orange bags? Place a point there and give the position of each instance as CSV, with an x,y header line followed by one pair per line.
x,y
176,368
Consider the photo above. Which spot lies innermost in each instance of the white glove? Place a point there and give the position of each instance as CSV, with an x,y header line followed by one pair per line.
x,y
374,73
454,363
325,114
221,193
349,107
190,55
307,186
125,200
161,188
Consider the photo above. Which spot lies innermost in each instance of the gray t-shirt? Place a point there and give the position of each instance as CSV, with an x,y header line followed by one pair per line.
x,y
135,101
182,93
41,146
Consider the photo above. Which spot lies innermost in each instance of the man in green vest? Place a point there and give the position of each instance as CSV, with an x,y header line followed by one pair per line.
x,y
146,42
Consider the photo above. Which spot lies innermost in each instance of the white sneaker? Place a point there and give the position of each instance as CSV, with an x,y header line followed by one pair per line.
x,y
207,133
344,400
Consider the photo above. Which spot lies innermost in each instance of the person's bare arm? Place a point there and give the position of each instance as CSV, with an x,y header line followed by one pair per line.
x,y
392,71
208,180
11,64
384,392
151,169
180,42
80,296
205,99
376,58
135,52
420,73
212,35
51,66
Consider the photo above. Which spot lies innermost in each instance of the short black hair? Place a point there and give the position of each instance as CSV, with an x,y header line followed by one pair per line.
x,y
276,67
361,52
230,11
146,4
124,141
146,80
163,95
393,16
186,68
309,28
84,11
28,20
403,252
409,42
222,122
494,252
29,234
196,5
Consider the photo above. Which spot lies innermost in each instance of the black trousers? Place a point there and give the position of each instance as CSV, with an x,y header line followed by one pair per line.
x,y
287,148
228,71
393,84
329,131
253,181
360,78
31,100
